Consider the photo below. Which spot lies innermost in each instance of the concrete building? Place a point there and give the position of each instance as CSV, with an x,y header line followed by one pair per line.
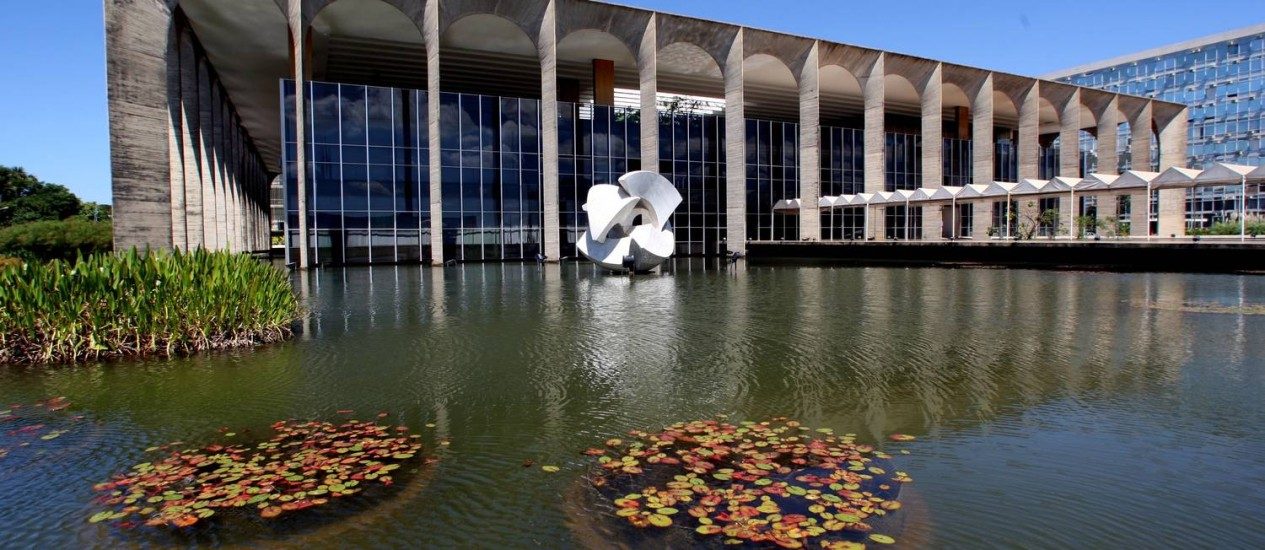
x,y
1221,80
472,129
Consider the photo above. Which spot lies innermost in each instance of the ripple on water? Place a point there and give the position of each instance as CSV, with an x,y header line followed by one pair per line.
x,y
1050,410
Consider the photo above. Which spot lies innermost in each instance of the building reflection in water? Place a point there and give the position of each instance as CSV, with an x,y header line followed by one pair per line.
x,y
872,349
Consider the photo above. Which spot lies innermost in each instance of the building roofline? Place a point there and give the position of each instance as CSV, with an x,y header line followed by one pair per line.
x,y
1157,52
621,4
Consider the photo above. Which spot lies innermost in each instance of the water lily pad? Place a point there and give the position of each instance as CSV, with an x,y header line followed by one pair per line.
x,y
772,483
660,520
882,539
287,473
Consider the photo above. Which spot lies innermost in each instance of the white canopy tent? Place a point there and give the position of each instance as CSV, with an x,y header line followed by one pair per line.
x,y
1228,174
1002,189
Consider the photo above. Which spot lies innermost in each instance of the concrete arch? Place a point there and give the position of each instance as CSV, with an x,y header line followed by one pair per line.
x,y
767,70
840,92
899,90
715,42
955,96
529,17
1004,106
471,31
770,88
373,42
363,14
624,24
470,62
414,10
579,48
792,52
686,68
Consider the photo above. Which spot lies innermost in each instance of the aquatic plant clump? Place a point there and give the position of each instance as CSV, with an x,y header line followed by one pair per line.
x,y
134,304
767,483
305,465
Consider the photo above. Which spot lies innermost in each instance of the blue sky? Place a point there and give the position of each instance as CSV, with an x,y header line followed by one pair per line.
x,y
52,54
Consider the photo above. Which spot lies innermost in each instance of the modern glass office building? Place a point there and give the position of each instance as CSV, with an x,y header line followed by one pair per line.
x,y
460,130
1221,79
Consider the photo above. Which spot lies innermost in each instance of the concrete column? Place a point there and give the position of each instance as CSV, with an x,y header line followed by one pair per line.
x,y
190,133
435,158
1173,136
932,221
298,57
982,142
1070,136
1140,142
208,158
1174,129
982,211
933,129
175,137
1172,213
547,45
875,89
217,166
1139,222
735,148
1068,210
878,222
1107,204
648,69
1108,136
810,146
136,75
1029,131
231,226
230,177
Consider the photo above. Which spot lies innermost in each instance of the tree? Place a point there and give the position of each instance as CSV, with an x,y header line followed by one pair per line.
x,y
95,211
24,198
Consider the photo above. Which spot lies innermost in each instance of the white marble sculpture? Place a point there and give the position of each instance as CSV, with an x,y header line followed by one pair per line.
x,y
627,222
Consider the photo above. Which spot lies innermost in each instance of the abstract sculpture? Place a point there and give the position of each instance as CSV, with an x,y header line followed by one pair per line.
x,y
627,222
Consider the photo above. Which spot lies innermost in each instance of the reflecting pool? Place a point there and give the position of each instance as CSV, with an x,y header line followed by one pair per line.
x,y
1052,409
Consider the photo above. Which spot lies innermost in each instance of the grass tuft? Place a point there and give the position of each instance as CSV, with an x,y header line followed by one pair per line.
x,y
141,304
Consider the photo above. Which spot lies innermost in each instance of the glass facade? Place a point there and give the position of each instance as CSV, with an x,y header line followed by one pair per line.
x,y
772,152
966,220
596,144
903,166
367,173
1005,160
1047,226
1223,83
369,167
1005,218
957,161
842,173
491,183
692,156
903,222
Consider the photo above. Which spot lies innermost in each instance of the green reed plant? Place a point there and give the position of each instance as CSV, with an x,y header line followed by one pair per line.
x,y
137,304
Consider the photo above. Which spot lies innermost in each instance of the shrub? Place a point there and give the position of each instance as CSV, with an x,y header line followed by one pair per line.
x,y
56,240
1255,228
135,304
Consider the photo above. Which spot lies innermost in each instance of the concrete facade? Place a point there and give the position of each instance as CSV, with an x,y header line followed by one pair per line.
x,y
188,170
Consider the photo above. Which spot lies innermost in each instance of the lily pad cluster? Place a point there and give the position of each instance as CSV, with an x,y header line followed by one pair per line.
x,y
305,465
753,483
